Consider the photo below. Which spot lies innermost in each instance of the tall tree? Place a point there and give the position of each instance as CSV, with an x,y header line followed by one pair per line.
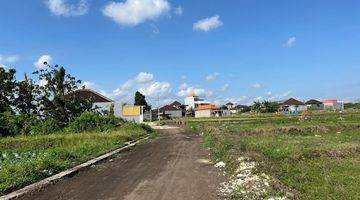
x,y
57,100
25,100
140,100
7,87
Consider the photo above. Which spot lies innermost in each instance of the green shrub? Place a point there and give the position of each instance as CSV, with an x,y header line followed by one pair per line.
x,y
48,126
89,121
20,124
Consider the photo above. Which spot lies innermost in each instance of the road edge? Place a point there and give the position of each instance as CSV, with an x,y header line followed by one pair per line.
x,y
52,179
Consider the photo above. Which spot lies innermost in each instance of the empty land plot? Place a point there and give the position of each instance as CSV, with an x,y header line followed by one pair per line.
x,y
310,156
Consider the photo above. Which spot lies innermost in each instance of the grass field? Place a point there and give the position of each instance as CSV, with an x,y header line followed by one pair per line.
x,y
310,156
27,159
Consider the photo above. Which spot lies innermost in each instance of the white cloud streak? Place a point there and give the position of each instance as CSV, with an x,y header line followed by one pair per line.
x,y
212,77
62,8
178,11
290,42
9,59
208,24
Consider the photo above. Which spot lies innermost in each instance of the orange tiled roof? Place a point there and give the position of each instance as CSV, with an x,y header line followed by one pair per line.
x,y
208,107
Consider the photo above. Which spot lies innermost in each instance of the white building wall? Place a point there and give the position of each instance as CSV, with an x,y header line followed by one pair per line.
x,y
118,111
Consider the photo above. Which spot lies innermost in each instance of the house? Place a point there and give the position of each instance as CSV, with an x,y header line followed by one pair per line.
x,y
103,104
173,110
193,101
293,106
315,104
333,104
178,105
230,105
210,111
100,102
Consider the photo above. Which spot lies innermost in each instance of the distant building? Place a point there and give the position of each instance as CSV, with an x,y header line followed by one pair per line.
x,y
173,110
315,104
193,101
230,105
293,106
333,104
203,111
103,105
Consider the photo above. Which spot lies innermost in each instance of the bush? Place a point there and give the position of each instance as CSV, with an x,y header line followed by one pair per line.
x,y
20,124
89,121
47,126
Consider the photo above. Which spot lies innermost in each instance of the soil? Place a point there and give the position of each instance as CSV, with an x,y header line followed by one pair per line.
x,y
174,166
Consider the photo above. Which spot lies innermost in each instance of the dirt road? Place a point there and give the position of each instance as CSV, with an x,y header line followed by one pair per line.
x,y
172,167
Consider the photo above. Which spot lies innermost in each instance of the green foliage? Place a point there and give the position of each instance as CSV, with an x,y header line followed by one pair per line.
x,y
190,112
48,126
7,87
265,107
140,100
89,121
352,106
25,100
57,100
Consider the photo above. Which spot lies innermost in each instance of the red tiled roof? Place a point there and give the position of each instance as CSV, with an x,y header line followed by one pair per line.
x,y
208,107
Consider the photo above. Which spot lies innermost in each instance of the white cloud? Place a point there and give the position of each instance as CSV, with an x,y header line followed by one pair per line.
x,y
127,85
134,12
9,59
4,66
183,77
225,87
178,11
208,24
90,85
157,90
61,8
39,64
197,90
280,97
144,77
268,94
256,85
290,42
183,86
239,100
42,82
212,77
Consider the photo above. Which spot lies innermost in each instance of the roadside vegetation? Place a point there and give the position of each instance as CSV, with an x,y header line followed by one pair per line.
x,y
308,156
45,128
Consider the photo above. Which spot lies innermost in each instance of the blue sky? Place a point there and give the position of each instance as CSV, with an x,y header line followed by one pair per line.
x,y
238,50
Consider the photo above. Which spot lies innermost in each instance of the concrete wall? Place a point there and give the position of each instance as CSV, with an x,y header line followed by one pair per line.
x,y
202,113
174,113
336,106
103,107
118,111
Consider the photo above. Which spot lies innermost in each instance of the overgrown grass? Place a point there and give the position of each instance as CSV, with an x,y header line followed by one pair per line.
x,y
313,156
27,159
